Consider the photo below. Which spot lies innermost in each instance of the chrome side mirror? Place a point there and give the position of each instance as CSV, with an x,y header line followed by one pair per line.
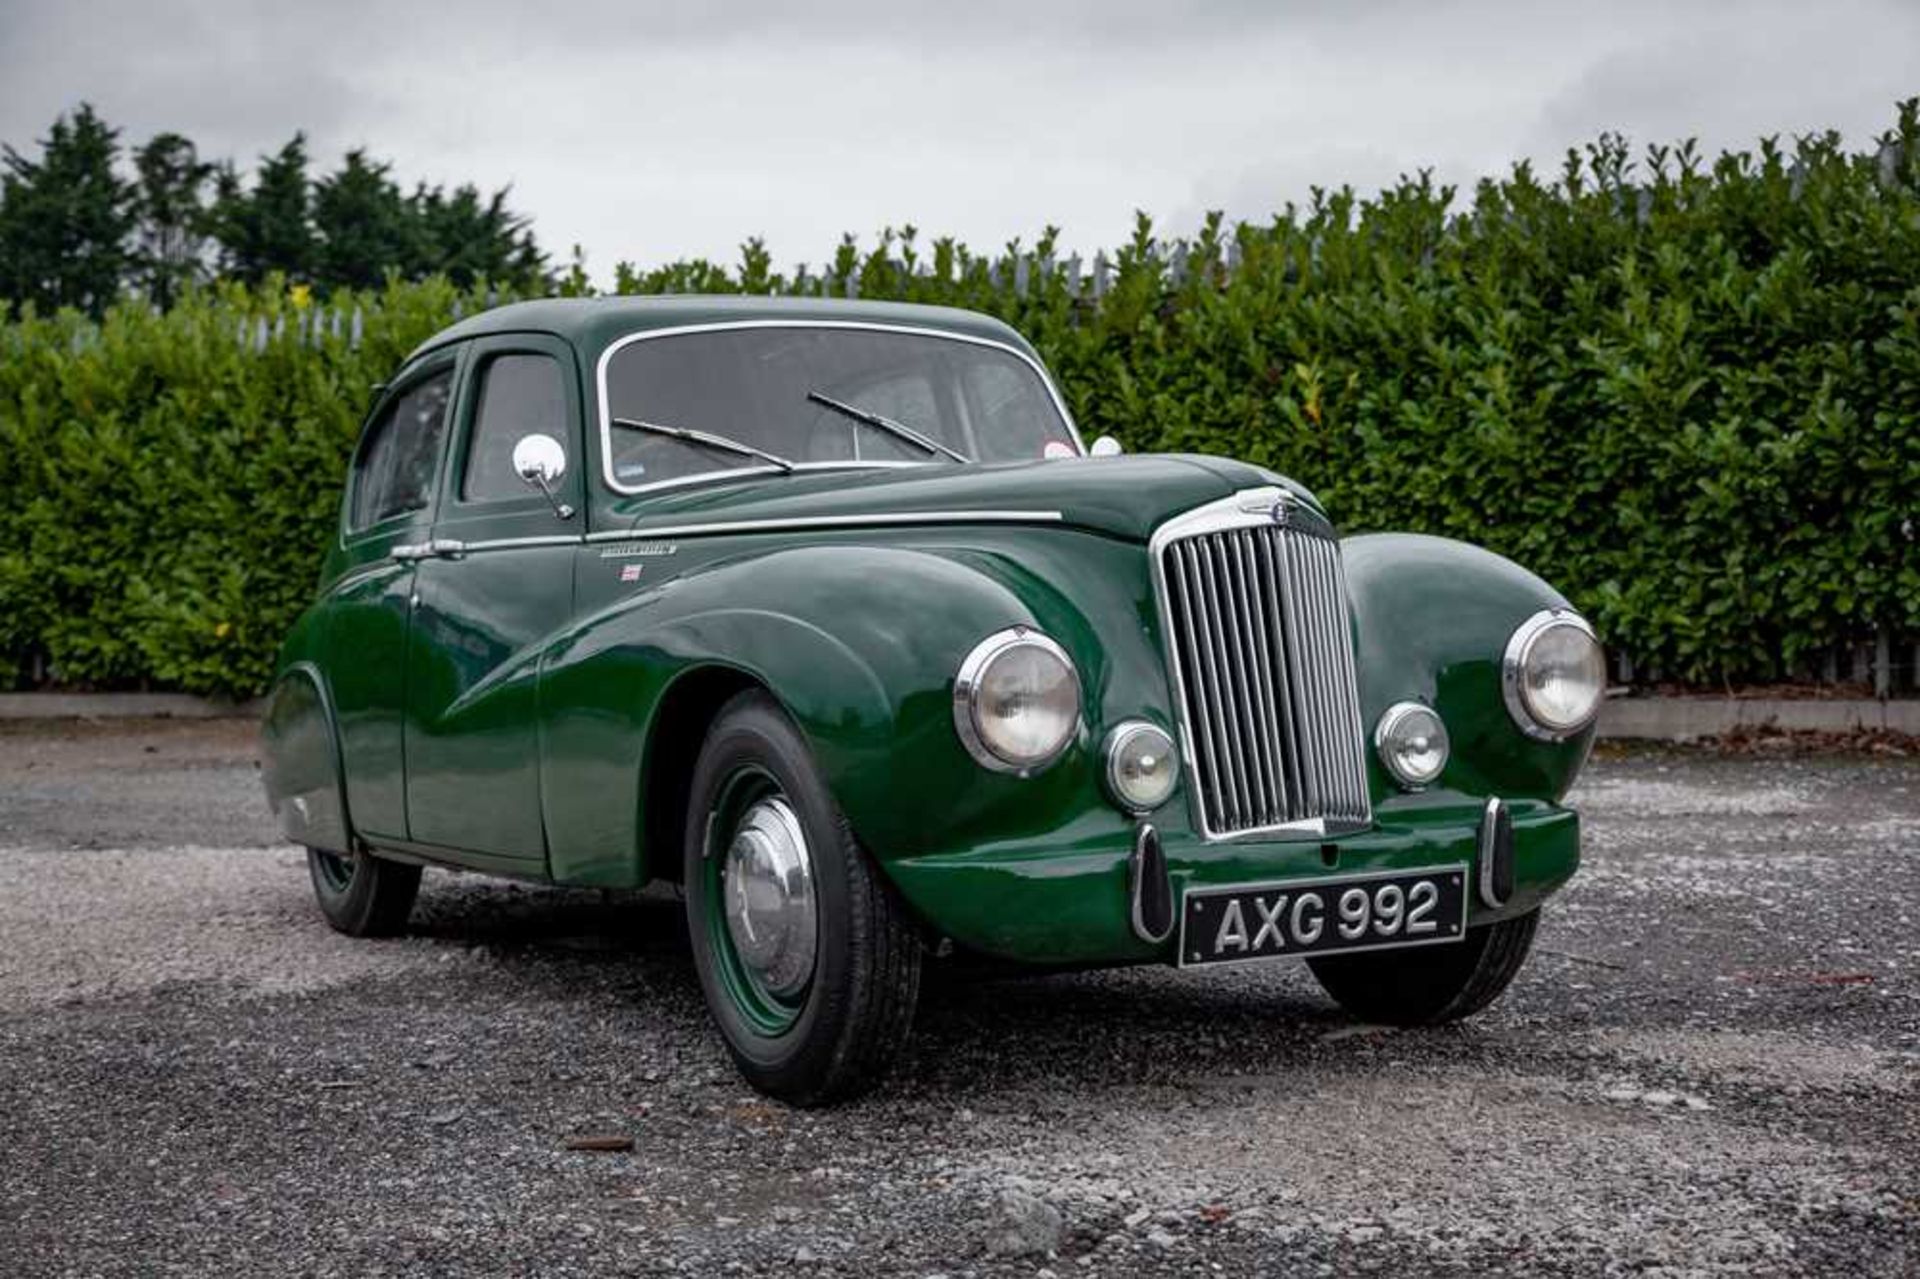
x,y
1105,446
540,460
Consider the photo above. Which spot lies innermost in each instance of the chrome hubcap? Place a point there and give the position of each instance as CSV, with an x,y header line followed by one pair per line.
x,y
769,897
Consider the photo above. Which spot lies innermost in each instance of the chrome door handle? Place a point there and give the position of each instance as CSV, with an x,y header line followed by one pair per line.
x,y
445,548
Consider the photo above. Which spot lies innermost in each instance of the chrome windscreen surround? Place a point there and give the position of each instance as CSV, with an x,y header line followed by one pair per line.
x,y
605,409
1258,638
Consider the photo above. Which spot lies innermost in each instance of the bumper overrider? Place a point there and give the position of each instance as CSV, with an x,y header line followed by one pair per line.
x,y
1060,905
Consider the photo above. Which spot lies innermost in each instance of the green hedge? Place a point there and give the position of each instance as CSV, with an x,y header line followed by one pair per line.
x,y
1686,392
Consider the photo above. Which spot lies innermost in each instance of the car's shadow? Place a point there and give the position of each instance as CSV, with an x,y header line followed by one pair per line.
x,y
978,1027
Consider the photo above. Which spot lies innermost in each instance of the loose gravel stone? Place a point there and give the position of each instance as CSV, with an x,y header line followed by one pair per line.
x,y
1023,1226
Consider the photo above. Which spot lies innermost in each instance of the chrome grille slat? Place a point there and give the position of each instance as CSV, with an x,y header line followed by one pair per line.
x,y
1255,790
1224,685
1206,676
1260,656
1260,639
1285,716
1180,605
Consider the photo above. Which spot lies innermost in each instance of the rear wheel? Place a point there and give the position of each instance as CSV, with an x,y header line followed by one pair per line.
x,y
362,895
808,961
1428,985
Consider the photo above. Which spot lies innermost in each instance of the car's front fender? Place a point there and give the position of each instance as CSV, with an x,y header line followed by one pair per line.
x,y
859,643
1433,618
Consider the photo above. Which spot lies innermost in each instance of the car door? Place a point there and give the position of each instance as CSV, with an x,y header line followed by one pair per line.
x,y
498,586
386,513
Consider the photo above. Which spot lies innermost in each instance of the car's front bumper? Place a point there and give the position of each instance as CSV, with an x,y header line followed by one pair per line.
x,y
1067,906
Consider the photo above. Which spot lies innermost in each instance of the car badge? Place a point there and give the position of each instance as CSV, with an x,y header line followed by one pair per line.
x,y
1279,514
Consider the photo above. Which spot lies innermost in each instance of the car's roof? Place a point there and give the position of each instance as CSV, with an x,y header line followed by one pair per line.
x,y
593,323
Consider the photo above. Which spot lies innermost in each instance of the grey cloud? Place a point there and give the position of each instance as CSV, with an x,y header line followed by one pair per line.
x,y
648,131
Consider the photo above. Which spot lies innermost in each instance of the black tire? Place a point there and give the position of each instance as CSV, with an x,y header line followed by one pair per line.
x,y
838,1035
1428,985
362,895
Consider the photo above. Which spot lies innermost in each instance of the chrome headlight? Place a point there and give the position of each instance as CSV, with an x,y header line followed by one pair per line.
x,y
1412,742
1554,675
1141,766
1016,701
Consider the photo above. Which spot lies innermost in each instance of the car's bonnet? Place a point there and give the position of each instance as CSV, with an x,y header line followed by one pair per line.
x,y
1119,496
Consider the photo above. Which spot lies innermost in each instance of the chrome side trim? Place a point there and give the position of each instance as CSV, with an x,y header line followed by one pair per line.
x,y
804,522
516,543
721,326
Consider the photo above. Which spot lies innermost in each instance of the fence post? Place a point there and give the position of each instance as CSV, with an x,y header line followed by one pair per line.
x,y
1883,664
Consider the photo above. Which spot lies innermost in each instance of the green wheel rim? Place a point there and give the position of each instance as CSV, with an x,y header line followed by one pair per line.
x,y
767,1014
335,871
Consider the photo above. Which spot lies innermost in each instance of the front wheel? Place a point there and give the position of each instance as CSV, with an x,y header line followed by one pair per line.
x,y
1428,985
808,961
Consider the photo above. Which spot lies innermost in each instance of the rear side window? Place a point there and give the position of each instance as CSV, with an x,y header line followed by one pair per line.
x,y
520,395
395,470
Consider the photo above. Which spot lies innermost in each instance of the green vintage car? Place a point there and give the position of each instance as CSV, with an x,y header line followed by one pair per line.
x,y
823,612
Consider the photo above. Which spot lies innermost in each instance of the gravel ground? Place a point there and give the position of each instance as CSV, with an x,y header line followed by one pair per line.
x,y
1712,1064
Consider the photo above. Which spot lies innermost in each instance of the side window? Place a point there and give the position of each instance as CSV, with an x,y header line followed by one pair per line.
x,y
395,470
519,395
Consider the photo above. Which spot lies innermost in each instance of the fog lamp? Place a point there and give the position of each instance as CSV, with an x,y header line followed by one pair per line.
x,y
1141,766
1412,742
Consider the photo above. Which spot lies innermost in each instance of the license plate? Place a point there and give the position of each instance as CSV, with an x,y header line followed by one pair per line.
x,y
1339,914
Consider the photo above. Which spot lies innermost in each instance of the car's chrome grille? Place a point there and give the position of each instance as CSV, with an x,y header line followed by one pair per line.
x,y
1262,650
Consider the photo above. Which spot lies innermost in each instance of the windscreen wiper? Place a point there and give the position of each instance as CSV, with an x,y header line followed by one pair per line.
x,y
707,438
898,430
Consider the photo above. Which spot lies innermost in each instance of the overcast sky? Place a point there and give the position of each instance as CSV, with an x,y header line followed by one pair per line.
x,y
649,131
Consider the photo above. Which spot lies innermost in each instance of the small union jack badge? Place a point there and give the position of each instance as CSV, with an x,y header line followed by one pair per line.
x,y
630,572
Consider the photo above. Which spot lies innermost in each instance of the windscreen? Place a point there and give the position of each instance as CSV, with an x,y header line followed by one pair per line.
x,y
753,386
